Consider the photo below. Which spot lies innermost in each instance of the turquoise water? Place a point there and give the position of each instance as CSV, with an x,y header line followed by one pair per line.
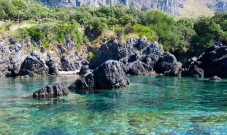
x,y
150,105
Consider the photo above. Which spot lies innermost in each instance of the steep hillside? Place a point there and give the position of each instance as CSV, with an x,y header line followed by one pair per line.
x,y
189,8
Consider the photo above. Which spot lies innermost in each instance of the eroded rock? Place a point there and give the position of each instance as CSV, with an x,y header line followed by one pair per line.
x,y
51,91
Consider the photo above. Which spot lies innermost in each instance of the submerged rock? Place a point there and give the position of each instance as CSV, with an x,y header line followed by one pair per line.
x,y
107,76
51,91
33,66
215,78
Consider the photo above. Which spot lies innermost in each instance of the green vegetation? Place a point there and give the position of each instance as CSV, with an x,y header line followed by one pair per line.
x,y
182,36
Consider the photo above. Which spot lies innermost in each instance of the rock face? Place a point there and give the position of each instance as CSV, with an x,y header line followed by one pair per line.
x,y
213,62
110,75
51,91
138,57
168,65
191,69
139,68
171,6
107,76
33,66
53,68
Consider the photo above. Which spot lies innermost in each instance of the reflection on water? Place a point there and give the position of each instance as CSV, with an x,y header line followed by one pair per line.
x,y
150,105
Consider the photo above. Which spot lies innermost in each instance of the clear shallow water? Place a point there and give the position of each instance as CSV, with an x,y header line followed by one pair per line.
x,y
150,105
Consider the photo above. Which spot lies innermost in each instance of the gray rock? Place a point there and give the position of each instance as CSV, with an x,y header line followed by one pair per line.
x,y
51,91
33,66
213,61
139,68
110,75
53,68
66,65
168,65
84,70
84,84
107,76
215,78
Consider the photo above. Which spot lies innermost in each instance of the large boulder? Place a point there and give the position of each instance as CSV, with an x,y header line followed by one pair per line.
x,y
107,76
190,68
168,65
84,84
214,61
51,91
139,68
110,75
14,64
53,68
33,65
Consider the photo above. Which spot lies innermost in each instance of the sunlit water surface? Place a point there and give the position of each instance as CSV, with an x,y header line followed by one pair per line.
x,y
150,105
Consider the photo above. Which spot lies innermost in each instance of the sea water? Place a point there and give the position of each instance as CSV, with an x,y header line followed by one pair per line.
x,y
149,105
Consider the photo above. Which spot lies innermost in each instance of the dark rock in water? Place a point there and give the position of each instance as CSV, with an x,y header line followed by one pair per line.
x,y
213,61
85,84
110,75
107,76
139,68
215,78
53,68
33,66
51,91
150,55
190,68
168,65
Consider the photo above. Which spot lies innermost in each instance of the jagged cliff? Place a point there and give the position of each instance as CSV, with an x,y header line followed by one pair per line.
x,y
172,6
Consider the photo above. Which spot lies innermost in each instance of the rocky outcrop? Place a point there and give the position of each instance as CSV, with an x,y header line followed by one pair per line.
x,y
110,75
33,65
53,68
66,65
107,76
191,69
138,57
168,65
51,91
139,68
84,84
213,62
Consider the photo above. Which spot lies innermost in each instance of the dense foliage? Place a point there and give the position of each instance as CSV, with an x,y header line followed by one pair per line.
x,y
179,36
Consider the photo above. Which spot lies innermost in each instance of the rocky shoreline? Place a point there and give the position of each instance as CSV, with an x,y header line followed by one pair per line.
x,y
112,63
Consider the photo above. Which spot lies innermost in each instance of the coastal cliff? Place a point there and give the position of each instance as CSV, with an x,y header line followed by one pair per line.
x,y
170,6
